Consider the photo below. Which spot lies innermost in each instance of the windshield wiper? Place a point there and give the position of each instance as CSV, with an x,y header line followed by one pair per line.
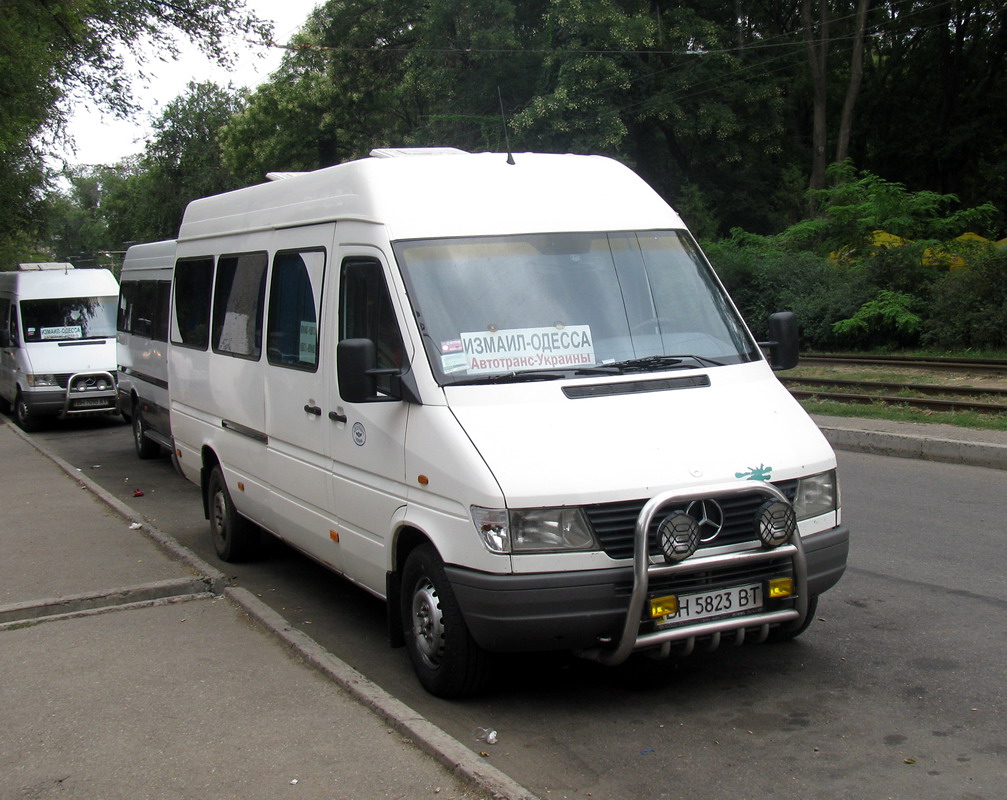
x,y
647,363
513,377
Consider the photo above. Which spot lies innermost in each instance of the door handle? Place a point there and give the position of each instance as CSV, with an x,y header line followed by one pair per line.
x,y
337,417
313,410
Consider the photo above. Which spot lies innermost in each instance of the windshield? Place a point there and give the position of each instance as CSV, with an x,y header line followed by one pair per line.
x,y
536,306
65,318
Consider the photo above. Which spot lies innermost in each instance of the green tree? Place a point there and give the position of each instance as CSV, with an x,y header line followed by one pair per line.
x,y
60,52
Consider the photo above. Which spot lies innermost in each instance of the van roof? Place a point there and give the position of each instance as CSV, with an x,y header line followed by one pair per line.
x,y
40,284
149,256
441,192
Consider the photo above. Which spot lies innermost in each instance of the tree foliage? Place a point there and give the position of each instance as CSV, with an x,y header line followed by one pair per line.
x,y
58,52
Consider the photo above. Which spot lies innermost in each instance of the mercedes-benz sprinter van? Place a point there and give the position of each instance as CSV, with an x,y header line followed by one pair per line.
x,y
142,344
57,342
508,395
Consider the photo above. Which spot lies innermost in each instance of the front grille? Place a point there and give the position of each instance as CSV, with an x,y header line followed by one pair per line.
x,y
63,379
615,523
722,577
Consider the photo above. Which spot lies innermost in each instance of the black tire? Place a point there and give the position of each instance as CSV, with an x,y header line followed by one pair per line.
x,y
446,658
785,634
25,420
145,448
234,537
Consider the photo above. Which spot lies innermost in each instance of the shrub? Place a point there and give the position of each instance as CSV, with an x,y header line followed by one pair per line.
x,y
968,308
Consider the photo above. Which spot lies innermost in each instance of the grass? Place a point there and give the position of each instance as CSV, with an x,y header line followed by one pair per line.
x,y
963,419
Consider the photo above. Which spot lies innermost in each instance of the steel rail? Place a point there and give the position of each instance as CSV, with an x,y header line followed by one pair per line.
x,y
997,366
965,392
928,403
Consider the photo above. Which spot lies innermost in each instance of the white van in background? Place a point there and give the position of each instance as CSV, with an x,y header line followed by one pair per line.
x,y
142,344
509,396
57,342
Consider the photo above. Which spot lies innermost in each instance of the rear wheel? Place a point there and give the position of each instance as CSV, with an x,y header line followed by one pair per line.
x,y
446,658
25,420
145,448
234,537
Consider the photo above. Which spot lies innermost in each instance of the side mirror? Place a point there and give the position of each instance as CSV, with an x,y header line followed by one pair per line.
x,y
782,344
358,372
356,361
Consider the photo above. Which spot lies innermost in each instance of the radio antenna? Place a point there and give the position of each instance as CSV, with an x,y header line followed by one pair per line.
x,y
503,116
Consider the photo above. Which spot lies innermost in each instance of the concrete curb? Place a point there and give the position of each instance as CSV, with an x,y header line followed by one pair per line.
x,y
903,445
127,595
424,734
431,739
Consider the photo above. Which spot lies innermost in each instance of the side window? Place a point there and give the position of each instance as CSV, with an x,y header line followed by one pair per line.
x,y
162,312
15,337
237,305
193,283
4,318
366,312
295,297
142,309
127,297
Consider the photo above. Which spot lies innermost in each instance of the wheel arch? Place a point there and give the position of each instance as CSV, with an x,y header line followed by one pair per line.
x,y
406,539
208,460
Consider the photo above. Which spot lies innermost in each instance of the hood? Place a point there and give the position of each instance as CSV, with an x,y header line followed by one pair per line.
x,y
85,355
546,448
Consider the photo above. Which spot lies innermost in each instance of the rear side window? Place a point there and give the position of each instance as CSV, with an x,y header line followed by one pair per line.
x,y
295,301
145,309
193,284
237,305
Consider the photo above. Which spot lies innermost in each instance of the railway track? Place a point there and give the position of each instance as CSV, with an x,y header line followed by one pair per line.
x,y
933,397
984,365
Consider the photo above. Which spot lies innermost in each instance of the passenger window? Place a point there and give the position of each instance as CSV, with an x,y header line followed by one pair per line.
x,y
127,297
142,311
193,283
295,298
366,312
5,310
162,312
237,305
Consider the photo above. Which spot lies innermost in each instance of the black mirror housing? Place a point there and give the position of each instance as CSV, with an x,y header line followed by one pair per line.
x,y
782,344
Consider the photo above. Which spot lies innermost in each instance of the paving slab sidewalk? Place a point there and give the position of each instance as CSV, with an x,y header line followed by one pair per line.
x,y
127,673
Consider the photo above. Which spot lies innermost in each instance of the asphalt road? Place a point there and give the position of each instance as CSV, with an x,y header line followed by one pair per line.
x,y
898,690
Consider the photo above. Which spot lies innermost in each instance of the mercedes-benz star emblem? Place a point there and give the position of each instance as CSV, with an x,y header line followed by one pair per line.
x,y
710,517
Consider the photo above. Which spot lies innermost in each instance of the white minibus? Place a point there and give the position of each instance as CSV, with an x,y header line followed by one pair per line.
x,y
507,394
142,344
57,342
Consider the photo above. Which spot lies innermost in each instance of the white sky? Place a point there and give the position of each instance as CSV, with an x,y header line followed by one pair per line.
x,y
102,139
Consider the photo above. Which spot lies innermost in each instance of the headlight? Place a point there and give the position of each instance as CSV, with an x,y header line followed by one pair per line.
x,y
533,530
816,495
41,380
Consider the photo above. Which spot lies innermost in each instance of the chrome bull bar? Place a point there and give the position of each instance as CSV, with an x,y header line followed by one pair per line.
x,y
110,393
643,570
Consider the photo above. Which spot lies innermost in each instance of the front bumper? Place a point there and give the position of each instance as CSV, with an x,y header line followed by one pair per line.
x,y
587,610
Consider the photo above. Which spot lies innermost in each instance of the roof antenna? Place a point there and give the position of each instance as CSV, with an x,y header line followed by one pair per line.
x,y
503,116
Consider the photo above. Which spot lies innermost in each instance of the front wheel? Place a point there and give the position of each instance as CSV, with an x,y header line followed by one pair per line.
x,y
446,658
785,634
234,537
145,448
25,420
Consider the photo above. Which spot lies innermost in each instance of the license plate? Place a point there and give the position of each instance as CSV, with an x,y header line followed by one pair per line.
x,y
92,402
731,602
